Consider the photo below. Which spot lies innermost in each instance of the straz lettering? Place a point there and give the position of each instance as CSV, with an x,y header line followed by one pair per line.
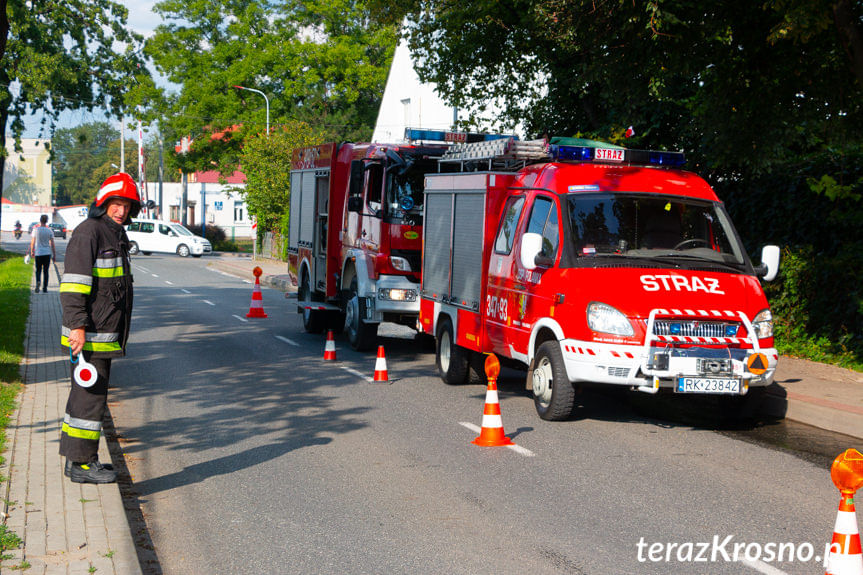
x,y
608,155
680,283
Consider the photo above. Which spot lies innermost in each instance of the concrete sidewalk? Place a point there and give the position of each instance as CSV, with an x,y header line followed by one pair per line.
x,y
66,528
816,394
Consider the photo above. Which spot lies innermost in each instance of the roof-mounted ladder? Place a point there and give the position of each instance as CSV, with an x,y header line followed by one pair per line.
x,y
506,154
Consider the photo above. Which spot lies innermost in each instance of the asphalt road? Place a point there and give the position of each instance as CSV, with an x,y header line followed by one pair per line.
x,y
250,454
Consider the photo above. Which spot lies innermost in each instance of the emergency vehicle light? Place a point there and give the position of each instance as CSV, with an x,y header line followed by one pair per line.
x,y
616,155
415,134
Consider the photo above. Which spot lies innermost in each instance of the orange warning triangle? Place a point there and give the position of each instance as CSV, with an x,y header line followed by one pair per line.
x,y
757,363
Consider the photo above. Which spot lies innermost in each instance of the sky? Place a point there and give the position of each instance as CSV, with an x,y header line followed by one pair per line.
x,y
143,21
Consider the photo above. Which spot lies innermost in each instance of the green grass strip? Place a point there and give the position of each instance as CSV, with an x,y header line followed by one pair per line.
x,y
14,310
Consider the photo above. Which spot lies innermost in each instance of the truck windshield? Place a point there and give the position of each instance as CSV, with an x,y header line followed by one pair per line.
x,y
404,190
651,226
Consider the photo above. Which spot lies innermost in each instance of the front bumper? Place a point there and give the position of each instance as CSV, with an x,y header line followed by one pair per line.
x,y
393,294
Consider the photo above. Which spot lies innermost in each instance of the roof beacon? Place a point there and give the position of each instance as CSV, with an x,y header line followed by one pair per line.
x,y
617,156
418,135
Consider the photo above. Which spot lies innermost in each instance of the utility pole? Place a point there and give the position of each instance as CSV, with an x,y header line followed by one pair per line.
x,y
123,143
161,174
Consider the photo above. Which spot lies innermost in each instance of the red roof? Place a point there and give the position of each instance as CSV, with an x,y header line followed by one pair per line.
x,y
212,177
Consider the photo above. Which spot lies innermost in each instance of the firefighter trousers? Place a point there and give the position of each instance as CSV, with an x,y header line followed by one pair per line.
x,y
85,408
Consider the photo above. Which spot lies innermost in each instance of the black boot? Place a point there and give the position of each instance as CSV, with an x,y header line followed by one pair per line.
x,y
93,472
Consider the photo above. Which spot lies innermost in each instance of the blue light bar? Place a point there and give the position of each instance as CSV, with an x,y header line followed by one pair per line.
x,y
414,134
614,155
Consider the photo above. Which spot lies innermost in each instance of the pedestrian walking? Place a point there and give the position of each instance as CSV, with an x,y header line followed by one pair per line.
x,y
42,250
96,296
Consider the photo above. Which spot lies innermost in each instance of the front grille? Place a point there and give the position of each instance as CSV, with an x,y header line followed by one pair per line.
x,y
618,371
694,328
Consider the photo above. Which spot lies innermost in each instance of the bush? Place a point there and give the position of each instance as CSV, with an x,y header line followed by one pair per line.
x,y
214,234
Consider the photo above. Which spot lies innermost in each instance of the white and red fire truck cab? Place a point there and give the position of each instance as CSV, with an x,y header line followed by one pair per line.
x,y
355,231
593,264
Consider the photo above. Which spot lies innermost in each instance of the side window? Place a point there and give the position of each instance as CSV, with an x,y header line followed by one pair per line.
x,y
506,232
164,230
543,221
374,186
133,227
147,227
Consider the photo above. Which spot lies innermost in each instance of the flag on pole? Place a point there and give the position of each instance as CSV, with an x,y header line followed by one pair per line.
x,y
629,132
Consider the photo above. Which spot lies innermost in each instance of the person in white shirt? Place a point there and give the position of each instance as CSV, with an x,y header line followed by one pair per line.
x,y
42,250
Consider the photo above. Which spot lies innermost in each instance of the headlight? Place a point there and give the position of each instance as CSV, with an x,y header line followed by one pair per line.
x,y
397,294
763,324
400,264
606,319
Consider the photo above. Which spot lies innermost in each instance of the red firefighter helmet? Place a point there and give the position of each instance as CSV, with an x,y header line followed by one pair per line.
x,y
117,186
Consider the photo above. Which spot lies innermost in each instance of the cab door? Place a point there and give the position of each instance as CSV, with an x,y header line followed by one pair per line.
x,y
532,293
501,268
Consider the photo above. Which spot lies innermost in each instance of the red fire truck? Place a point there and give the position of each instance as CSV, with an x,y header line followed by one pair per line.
x,y
586,262
355,232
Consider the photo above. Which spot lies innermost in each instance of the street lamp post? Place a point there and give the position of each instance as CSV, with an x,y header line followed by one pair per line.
x,y
267,100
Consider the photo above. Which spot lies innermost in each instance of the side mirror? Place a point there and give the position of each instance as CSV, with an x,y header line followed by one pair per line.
x,y
355,188
531,246
150,204
355,204
769,267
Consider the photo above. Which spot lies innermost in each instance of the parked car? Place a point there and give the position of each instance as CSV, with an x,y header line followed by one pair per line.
x,y
148,236
59,230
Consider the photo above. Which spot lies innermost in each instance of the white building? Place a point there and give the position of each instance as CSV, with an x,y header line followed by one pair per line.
x,y
212,203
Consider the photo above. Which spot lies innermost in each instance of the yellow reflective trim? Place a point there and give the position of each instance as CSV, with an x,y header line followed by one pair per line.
x,y
108,272
75,288
94,345
80,433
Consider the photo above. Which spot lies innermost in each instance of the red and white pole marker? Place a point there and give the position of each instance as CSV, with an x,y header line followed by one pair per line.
x,y
381,366
256,309
491,433
330,347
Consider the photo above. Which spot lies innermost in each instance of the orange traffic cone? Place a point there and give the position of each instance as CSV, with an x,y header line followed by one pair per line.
x,y
845,556
330,347
256,309
491,434
381,365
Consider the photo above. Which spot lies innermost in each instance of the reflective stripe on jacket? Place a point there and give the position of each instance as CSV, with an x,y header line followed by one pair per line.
x,y
96,288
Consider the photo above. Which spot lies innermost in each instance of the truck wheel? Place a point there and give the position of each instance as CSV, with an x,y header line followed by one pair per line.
x,y
361,335
476,371
313,320
336,321
183,251
451,359
133,248
553,393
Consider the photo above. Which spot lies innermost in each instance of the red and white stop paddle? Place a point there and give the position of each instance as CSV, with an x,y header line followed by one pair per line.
x,y
85,373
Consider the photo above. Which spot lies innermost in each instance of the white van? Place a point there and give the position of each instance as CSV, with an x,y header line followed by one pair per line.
x,y
147,236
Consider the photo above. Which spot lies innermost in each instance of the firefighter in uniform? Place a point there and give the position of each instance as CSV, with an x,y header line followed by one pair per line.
x,y
96,296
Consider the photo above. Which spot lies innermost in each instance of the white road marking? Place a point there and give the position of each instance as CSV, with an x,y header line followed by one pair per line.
x,y
357,373
208,302
246,281
169,283
242,319
288,341
517,448
154,275
143,269
185,290
763,567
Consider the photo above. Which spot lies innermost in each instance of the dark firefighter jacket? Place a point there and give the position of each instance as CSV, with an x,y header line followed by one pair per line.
x,y
96,290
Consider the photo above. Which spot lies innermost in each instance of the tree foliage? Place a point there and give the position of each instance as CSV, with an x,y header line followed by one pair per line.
x,y
741,86
59,55
322,62
266,163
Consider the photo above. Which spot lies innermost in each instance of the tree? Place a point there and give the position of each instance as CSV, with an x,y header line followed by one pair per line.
x,y
741,86
322,62
59,54
266,163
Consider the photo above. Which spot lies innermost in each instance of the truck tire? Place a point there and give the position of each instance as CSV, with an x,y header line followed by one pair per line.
x,y
553,393
361,335
313,320
133,248
451,359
